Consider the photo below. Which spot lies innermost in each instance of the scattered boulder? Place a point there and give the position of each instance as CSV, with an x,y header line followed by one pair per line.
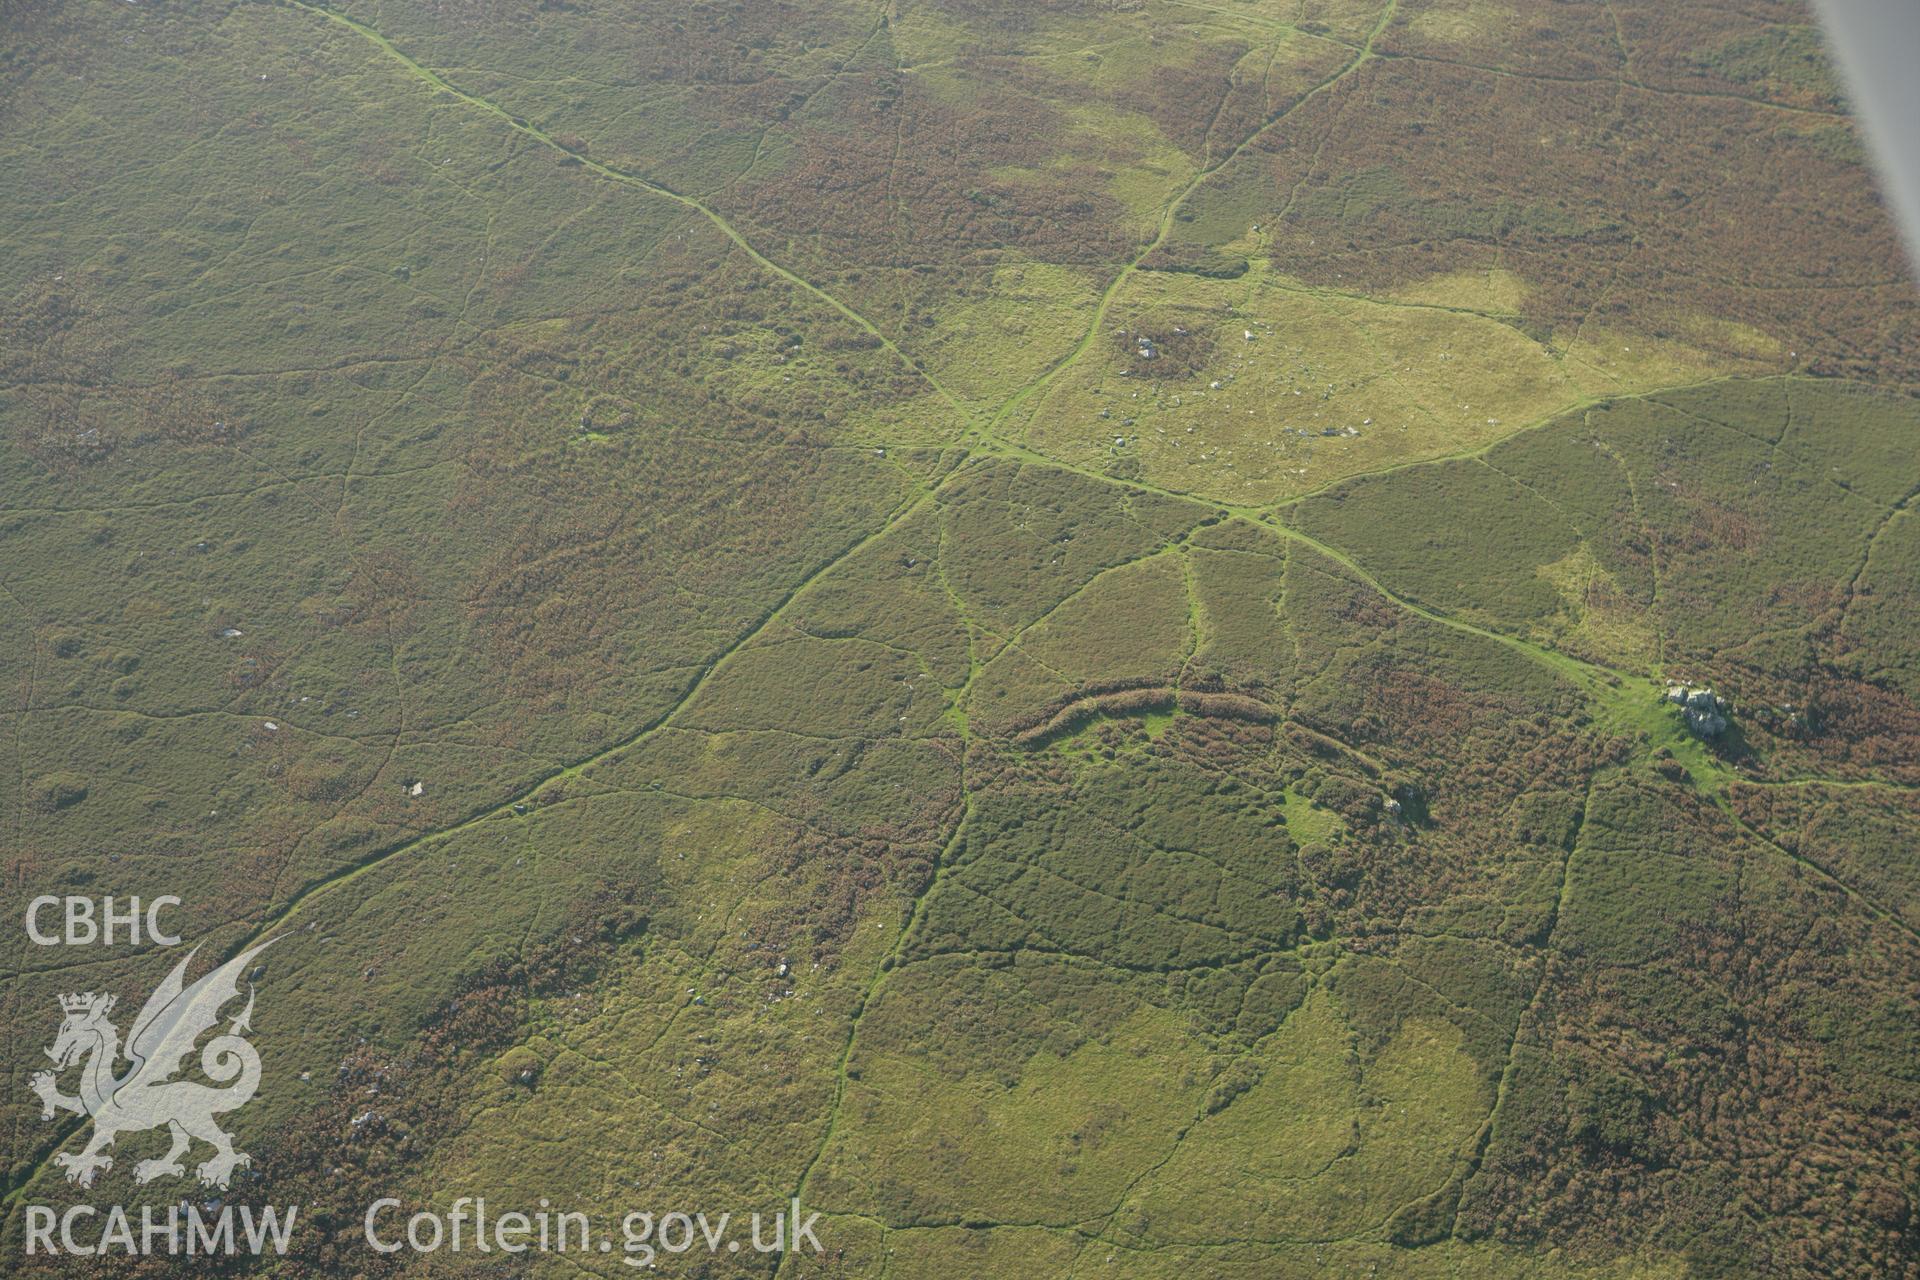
x,y
1707,714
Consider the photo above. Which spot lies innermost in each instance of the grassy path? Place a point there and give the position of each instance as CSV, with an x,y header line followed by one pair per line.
x,y
1628,702
505,808
433,80
1606,685
1013,403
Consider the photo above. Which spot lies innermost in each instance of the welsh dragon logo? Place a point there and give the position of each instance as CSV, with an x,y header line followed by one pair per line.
x,y
148,1096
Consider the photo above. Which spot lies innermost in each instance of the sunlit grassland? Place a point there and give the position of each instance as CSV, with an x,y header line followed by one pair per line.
x,y
1005,326
1300,386
679,489
1356,1145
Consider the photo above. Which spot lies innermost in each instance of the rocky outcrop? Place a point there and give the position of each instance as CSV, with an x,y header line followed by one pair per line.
x,y
1707,714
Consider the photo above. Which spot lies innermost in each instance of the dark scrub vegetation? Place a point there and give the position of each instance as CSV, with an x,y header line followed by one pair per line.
x,y
1042,624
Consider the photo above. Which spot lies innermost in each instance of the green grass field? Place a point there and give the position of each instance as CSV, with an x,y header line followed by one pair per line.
x,y
1042,626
